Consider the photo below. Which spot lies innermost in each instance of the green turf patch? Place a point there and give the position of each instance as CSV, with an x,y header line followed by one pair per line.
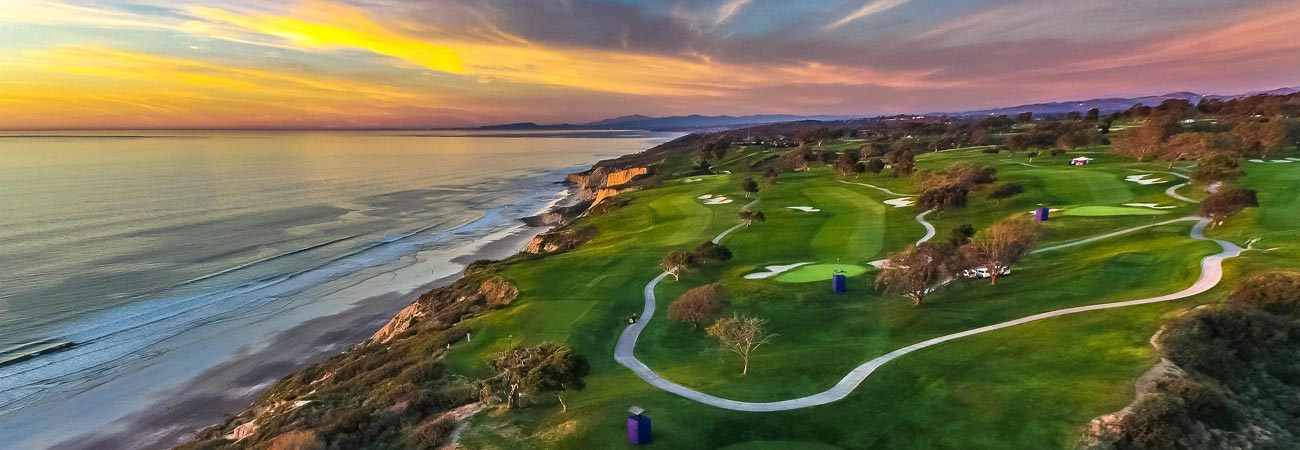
x,y
819,272
1098,211
780,445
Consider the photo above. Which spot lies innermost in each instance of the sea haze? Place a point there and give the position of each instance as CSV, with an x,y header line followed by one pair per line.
x,y
115,245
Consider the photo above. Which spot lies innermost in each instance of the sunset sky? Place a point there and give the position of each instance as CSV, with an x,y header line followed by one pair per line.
x,y
389,63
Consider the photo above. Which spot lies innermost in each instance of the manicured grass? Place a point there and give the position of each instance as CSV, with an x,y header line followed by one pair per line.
x,y
1095,211
819,272
1029,386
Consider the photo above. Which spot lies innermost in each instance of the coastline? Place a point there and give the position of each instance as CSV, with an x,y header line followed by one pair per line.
x,y
234,384
181,405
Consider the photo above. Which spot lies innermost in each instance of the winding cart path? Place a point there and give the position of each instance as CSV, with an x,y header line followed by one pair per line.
x,y
1211,274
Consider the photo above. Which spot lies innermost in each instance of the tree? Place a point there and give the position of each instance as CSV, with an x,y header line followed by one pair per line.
x,y
697,305
1260,137
1025,117
769,178
917,271
903,163
677,261
939,198
749,217
741,335
1147,139
961,234
1093,115
1185,146
749,186
999,246
524,372
1220,205
1217,167
874,165
1072,139
1004,191
846,163
709,252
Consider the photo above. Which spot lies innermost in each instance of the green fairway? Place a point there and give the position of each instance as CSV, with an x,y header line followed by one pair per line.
x,y
1098,211
819,272
1029,386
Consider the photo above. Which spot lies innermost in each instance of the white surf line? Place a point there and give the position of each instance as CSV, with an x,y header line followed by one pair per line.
x,y
1211,274
878,188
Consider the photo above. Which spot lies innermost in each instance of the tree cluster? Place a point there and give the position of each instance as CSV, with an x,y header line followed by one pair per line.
x,y
698,305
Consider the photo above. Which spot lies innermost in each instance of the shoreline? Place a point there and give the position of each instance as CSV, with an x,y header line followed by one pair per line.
x,y
210,375
178,414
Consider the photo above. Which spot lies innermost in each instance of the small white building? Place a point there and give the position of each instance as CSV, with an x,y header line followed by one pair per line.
x,y
1080,161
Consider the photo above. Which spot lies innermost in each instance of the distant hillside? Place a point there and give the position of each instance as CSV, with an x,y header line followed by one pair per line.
x,y
1108,105
640,122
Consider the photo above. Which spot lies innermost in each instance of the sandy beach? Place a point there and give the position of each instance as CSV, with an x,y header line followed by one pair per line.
x,y
254,356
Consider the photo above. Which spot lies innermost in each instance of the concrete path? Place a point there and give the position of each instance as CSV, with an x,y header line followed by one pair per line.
x,y
878,188
1211,274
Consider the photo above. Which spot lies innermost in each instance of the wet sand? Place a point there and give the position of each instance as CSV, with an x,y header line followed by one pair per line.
x,y
176,414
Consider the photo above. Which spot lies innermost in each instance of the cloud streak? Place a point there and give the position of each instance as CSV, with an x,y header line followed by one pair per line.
x,y
868,9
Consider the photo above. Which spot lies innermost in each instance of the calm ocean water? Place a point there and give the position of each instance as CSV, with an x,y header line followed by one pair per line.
x,y
113,242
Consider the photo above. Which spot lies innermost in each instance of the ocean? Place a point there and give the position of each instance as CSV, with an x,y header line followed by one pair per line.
x,y
120,252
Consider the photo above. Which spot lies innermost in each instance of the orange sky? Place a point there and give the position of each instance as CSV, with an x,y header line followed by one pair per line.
x,y
232,64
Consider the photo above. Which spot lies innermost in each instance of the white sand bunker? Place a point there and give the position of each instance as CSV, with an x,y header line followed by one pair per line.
x,y
1150,205
804,208
705,197
1282,160
1142,179
773,271
1293,159
900,202
719,200
692,180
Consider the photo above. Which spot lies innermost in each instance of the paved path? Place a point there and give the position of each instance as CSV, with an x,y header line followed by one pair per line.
x,y
1211,274
878,188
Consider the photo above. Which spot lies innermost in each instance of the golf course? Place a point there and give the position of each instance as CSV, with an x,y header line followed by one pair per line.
x,y
979,366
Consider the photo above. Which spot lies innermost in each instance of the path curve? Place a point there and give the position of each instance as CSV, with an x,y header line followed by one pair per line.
x,y
878,188
1211,274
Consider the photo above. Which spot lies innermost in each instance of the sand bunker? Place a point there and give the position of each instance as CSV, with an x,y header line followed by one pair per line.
x,y
900,202
692,180
1293,159
773,270
719,200
1150,205
1282,161
1142,179
1049,211
705,196
804,208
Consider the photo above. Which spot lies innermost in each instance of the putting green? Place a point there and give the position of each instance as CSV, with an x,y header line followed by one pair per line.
x,y
819,272
1097,211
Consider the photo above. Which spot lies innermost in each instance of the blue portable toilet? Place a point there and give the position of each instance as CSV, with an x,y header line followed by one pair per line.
x,y
638,426
1040,215
839,282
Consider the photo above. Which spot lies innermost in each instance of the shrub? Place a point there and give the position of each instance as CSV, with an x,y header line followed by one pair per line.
x,y
1275,292
709,252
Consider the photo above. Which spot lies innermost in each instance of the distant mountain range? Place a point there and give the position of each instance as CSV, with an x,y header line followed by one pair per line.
x,y
670,123
1108,105
696,122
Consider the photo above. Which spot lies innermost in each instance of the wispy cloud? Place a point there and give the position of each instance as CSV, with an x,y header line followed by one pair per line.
x,y
870,8
729,9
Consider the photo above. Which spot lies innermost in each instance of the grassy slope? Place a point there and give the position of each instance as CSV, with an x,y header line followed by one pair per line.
x,y
1026,387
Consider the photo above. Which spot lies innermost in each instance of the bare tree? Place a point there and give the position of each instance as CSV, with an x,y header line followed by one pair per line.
x,y
999,246
917,271
741,335
676,261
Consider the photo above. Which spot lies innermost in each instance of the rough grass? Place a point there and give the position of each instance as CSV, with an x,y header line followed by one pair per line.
x,y
1095,211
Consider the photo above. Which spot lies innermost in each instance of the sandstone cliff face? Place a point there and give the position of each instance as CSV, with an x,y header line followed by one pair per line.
x,y
560,241
601,183
492,291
